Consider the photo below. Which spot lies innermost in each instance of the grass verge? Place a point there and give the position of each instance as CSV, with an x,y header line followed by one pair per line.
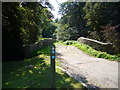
x,y
89,50
35,73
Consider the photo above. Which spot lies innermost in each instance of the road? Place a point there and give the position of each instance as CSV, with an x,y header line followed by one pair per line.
x,y
94,72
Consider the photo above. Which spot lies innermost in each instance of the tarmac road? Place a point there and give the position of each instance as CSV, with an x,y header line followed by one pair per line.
x,y
93,71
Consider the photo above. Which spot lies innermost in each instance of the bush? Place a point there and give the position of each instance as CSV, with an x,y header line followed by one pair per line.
x,y
112,34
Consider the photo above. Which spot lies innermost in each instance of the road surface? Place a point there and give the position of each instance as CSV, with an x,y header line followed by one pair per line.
x,y
93,71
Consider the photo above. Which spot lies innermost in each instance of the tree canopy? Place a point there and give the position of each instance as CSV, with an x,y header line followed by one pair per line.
x,y
72,20
84,19
24,23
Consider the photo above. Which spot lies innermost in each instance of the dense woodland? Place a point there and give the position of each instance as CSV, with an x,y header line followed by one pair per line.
x,y
27,22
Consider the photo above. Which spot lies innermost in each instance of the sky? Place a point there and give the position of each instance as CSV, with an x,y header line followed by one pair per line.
x,y
56,7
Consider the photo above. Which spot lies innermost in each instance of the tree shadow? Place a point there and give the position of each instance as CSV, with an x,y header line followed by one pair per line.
x,y
62,82
14,65
71,70
24,74
58,54
83,79
20,70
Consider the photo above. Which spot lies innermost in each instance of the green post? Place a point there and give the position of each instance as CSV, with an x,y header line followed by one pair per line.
x,y
52,57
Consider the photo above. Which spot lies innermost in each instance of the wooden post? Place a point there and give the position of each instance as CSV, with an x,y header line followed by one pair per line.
x,y
52,57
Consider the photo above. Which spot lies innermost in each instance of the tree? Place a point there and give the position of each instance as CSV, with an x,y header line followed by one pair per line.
x,y
99,14
73,16
62,32
23,23
49,30
10,32
35,21
112,35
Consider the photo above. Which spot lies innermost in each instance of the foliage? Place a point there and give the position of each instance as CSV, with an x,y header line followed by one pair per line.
x,y
36,18
71,22
112,34
34,73
30,18
27,22
23,23
94,14
10,32
89,50
48,32
43,50
99,14
84,19
64,33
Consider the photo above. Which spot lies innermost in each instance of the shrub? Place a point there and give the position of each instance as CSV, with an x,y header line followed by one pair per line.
x,y
112,34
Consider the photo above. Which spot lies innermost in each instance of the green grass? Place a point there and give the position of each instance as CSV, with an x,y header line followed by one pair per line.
x,y
35,73
89,50
45,50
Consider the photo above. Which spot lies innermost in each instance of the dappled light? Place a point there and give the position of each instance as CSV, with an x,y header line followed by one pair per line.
x,y
34,73
82,45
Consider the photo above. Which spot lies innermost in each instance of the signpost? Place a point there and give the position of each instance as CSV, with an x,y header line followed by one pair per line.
x,y
52,57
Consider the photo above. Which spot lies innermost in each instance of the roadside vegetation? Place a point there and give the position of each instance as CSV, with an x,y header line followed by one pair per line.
x,y
25,24
89,50
35,73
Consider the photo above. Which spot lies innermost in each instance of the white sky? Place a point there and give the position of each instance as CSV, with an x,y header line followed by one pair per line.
x,y
56,7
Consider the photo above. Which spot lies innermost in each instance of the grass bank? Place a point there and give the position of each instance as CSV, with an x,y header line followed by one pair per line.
x,y
35,73
89,50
